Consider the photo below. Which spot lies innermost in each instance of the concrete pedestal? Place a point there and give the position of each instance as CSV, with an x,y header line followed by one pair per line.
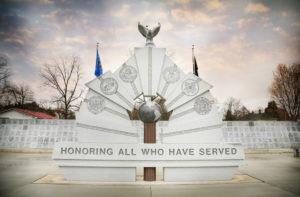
x,y
104,174
206,173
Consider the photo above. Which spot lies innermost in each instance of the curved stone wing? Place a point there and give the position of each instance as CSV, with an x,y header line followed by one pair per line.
x,y
155,31
142,30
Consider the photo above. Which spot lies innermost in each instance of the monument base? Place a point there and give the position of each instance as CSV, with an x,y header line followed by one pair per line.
x,y
122,162
128,174
199,173
104,174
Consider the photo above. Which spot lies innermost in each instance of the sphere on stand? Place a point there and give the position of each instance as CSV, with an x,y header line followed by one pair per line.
x,y
149,112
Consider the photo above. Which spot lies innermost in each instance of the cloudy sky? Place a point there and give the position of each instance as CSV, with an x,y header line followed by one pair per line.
x,y
238,43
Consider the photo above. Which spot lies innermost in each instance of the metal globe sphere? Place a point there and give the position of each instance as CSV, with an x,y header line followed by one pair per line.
x,y
149,112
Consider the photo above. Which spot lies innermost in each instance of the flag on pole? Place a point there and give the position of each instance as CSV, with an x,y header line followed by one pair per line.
x,y
98,69
195,66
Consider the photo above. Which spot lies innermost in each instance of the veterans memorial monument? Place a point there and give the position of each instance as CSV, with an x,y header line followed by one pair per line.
x,y
150,119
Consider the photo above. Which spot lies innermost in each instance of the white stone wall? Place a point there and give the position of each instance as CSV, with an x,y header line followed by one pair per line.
x,y
42,134
262,134
35,133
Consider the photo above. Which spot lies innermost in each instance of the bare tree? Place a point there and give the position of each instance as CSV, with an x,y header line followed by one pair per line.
x,y
243,112
20,93
4,75
4,71
234,110
233,104
285,89
63,76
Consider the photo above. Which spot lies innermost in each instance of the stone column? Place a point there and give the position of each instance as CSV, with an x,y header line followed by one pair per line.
x,y
149,137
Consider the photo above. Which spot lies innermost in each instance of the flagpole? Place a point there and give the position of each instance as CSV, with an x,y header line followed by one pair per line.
x,y
195,66
193,55
193,46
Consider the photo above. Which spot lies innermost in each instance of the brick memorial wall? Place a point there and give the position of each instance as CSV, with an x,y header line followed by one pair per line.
x,y
42,134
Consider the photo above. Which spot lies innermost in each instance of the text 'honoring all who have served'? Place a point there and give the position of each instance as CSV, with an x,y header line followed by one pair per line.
x,y
147,152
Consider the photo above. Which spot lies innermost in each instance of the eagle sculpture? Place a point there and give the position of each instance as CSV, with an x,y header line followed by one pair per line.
x,y
149,34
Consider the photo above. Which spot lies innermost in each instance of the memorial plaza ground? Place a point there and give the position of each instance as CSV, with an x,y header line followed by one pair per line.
x,y
24,174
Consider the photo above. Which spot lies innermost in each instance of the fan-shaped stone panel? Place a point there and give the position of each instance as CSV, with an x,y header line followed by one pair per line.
x,y
103,136
204,136
197,115
170,77
192,121
149,62
128,75
110,87
99,113
189,88
203,104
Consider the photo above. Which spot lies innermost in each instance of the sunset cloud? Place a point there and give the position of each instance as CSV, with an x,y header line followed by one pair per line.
x,y
296,24
254,8
124,11
245,23
280,31
214,5
238,44
189,16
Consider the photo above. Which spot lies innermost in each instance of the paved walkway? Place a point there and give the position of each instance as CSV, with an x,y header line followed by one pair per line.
x,y
279,175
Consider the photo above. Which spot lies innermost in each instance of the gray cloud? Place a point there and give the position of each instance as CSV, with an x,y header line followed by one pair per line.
x,y
11,25
231,45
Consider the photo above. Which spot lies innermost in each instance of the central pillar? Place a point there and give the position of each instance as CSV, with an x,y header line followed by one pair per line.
x,y
149,137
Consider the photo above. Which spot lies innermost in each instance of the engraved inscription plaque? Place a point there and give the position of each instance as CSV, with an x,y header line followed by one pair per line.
x,y
109,86
95,104
190,87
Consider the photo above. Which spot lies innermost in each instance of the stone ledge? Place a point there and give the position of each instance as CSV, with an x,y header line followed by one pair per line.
x,y
26,150
268,151
59,179
49,150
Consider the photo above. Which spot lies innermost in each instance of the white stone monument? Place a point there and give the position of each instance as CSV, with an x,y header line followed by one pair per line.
x,y
111,144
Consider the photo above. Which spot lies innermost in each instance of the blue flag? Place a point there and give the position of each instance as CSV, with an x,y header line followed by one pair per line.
x,y
98,69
